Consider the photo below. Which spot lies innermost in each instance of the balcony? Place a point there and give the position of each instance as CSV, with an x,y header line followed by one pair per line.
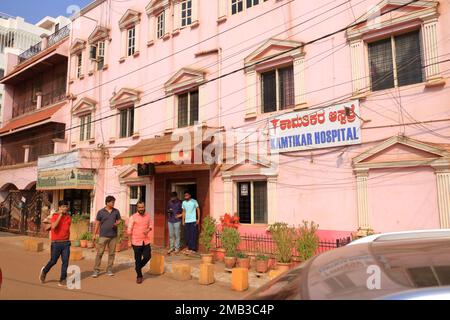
x,y
31,102
58,36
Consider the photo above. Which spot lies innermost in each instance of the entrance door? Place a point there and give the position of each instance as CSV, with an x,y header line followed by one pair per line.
x,y
180,189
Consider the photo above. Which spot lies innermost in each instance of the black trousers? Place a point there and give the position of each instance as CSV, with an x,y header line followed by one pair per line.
x,y
190,233
142,255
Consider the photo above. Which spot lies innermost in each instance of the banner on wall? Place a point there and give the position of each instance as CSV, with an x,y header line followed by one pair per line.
x,y
66,179
334,126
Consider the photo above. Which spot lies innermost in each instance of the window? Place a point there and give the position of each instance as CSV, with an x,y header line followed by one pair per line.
x,y
79,65
127,122
278,89
252,201
160,25
85,127
137,193
396,61
430,276
187,109
186,13
131,48
97,54
238,5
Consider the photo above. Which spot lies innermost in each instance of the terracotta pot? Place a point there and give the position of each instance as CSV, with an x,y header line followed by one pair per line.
x,y
230,262
90,244
252,262
207,258
262,266
283,267
83,243
243,263
296,262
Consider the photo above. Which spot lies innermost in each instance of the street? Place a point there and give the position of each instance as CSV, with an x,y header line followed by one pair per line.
x,y
21,268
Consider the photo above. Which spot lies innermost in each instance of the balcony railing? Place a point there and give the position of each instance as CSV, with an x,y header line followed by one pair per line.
x,y
59,35
38,47
28,105
53,97
31,52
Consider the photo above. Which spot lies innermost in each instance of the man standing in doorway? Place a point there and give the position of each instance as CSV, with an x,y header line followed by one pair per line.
x,y
191,219
107,221
175,212
139,230
60,247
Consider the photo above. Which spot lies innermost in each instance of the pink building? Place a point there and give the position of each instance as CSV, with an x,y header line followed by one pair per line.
x,y
348,105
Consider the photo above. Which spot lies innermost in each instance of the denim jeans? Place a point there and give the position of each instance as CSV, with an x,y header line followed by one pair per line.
x,y
190,231
174,235
142,255
58,249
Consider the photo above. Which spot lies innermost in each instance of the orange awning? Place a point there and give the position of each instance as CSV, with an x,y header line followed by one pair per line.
x,y
33,118
155,150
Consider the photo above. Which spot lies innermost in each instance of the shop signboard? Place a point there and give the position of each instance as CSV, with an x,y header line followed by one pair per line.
x,y
71,178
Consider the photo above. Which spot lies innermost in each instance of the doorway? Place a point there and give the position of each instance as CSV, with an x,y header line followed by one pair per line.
x,y
180,188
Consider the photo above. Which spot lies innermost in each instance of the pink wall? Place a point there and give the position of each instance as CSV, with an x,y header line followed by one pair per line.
x,y
318,185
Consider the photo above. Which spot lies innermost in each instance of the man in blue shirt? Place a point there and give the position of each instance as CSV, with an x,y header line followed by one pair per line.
x,y
191,219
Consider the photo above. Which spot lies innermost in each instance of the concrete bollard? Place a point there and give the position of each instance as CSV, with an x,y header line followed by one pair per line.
x,y
157,264
76,254
206,274
34,245
239,279
181,272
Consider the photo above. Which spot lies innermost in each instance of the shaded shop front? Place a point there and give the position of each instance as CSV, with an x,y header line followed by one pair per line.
x,y
152,163
70,176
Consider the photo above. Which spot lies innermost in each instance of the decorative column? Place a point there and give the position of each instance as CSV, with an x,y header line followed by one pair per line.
x,y
430,41
202,103
363,207
195,12
299,81
251,103
38,100
358,66
222,10
443,191
170,112
227,195
272,197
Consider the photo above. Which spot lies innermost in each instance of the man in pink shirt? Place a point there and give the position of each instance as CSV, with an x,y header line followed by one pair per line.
x,y
139,229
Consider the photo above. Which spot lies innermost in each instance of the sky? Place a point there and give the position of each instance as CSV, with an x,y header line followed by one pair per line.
x,y
35,10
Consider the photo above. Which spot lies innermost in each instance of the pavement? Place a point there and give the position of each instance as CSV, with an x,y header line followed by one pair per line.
x,y
21,270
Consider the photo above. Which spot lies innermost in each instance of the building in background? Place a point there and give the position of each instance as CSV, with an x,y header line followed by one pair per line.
x,y
35,116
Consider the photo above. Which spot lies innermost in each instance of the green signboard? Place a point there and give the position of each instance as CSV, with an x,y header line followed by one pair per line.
x,y
71,178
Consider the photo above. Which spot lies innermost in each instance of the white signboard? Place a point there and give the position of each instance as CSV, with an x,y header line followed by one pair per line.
x,y
333,126
59,161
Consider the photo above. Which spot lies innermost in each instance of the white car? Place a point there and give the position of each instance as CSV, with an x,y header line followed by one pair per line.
x,y
403,235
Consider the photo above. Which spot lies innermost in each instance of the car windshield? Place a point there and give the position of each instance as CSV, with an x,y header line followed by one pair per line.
x,y
370,271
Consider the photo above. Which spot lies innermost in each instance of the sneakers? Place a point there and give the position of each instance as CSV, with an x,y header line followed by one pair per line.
x,y
110,273
95,274
170,251
62,283
42,275
139,280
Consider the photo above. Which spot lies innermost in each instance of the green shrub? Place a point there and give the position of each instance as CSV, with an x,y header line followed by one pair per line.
x,y
307,241
262,257
241,255
85,236
207,233
284,237
230,241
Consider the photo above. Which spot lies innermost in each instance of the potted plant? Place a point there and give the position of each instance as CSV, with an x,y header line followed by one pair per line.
x,y
76,243
262,263
79,225
230,240
90,243
307,241
84,239
284,237
243,260
206,235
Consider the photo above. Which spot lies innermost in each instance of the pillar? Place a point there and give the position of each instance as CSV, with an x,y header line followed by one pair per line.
x,y
363,207
251,98
430,49
299,81
443,191
228,195
358,66
170,112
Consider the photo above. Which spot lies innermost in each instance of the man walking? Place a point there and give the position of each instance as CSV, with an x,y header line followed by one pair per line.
x,y
175,211
139,230
191,216
60,243
107,221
